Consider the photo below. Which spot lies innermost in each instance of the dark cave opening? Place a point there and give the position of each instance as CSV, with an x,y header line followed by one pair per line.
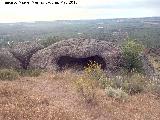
x,y
67,62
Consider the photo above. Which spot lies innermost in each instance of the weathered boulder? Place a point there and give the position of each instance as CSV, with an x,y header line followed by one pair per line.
x,y
150,71
7,60
23,51
147,66
79,52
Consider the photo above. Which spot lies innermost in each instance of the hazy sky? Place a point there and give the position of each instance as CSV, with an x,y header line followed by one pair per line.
x,y
85,9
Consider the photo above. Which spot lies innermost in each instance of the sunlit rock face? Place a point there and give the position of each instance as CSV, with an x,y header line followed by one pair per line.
x,y
78,52
7,60
23,51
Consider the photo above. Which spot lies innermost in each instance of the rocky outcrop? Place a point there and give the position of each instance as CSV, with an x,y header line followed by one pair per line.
x,y
23,51
7,60
147,66
78,51
67,53
150,71
155,51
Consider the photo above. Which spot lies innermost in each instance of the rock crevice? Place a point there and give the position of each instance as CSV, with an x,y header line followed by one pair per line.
x,y
23,51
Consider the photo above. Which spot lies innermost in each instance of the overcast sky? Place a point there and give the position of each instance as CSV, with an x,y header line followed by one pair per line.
x,y
85,9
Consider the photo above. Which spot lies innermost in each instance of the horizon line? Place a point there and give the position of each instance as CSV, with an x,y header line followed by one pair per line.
x,y
34,21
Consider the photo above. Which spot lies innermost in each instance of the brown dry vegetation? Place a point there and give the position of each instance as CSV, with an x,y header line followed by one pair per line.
x,y
54,96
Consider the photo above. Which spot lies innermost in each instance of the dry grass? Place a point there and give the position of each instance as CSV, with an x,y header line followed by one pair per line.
x,y
53,96
8,74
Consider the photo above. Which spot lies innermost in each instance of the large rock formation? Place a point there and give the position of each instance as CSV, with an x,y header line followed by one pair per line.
x,y
23,51
78,52
7,60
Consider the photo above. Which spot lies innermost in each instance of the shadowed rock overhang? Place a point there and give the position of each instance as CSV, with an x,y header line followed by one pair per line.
x,y
78,51
65,62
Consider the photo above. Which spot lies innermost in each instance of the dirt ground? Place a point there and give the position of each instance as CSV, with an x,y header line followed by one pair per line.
x,y
53,96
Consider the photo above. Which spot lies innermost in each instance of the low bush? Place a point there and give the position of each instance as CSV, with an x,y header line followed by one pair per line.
x,y
86,87
117,94
118,87
8,74
94,72
89,81
132,84
29,72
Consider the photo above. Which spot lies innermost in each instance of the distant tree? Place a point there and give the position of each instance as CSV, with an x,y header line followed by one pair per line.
x,y
131,52
3,44
50,41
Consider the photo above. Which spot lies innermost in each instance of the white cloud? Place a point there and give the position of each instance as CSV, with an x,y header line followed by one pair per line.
x,y
91,9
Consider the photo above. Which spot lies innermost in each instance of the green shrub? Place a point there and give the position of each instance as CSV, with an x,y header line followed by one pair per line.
x,y
29,72
131,51
117,94
134,84
8,74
